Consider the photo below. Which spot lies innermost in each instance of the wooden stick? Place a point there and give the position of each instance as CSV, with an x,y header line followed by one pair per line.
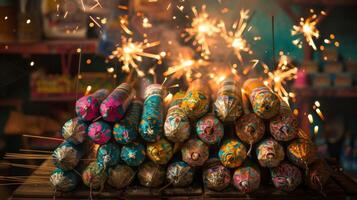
x,y
43,137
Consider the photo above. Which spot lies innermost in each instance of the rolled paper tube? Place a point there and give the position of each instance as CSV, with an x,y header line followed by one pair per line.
x,y
247,178
151,174
216,177
133,154
64,181
209,129
126,131
284,126
196,101
318,175
228,105
250,129
160,152
94,176
270,153
232,153
195,152
301,153
74,131
115,105
87,107
286,177
120,176
66,156
265,102
179,174
177,125
151,124
108,154
100,132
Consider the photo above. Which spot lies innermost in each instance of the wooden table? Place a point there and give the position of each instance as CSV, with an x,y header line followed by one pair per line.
x,y
338,187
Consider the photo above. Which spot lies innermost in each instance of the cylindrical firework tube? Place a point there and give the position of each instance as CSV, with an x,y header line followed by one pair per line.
x,y
74,131
318,175
151,124
250,129
195,152
265,102
94,175
247,178
151,174
120,176
209,129
100,132
228,105
284,126
177,125
113,108
109,154
66,156
179,174
286,177
64,181
127,130
196,101
87,107
232,153
269,153
160,152
302,153
216,176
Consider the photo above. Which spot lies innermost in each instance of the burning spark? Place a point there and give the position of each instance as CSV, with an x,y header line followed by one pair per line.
x,y
202,28
110,70
185,66
89,88
95,22
32,63
311,119
235,38
168,98
277,79
317,103
307,28
318,111
124,24
316,130
28,21
146,23
130,52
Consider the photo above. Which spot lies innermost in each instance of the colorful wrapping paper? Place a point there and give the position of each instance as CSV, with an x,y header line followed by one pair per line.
x,y
232,153
151,174
247,178
286,177
196,101
94,175
74,131
108,154
115,105
120,176
318,175
87,107
100,132
179,174
284,126
270,153
66,156
228,105
64,181
209,129
177,125
160,152
250,129
216,177
133,154
195,152
127,130
301,153
151,124
265,103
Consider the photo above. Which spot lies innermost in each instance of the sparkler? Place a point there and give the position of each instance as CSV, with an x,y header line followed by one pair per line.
x,y
202,28
235,38
131,52
186,66
307,28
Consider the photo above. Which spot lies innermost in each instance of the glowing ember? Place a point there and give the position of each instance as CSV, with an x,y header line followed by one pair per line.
x,y
202,28
131,52
307,28
124,24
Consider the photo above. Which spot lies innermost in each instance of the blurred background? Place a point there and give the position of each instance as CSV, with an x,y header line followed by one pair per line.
x,y
44,43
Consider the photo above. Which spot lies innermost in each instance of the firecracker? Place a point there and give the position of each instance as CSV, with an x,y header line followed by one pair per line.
x,y
109,154
209,129
160,152
318,175
270,153
301,153
195,152
66,156
64,181
100,132
87,107
216,176
286,177
133,154
179,174
151,174
246,178
94,175
74,131
120,176
232,153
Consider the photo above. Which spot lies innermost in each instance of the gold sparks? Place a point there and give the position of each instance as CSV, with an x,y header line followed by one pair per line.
x,y
186,66
235,38
278,78
124,24
89,88
307,28
203,27
311,119
131,52
95,21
